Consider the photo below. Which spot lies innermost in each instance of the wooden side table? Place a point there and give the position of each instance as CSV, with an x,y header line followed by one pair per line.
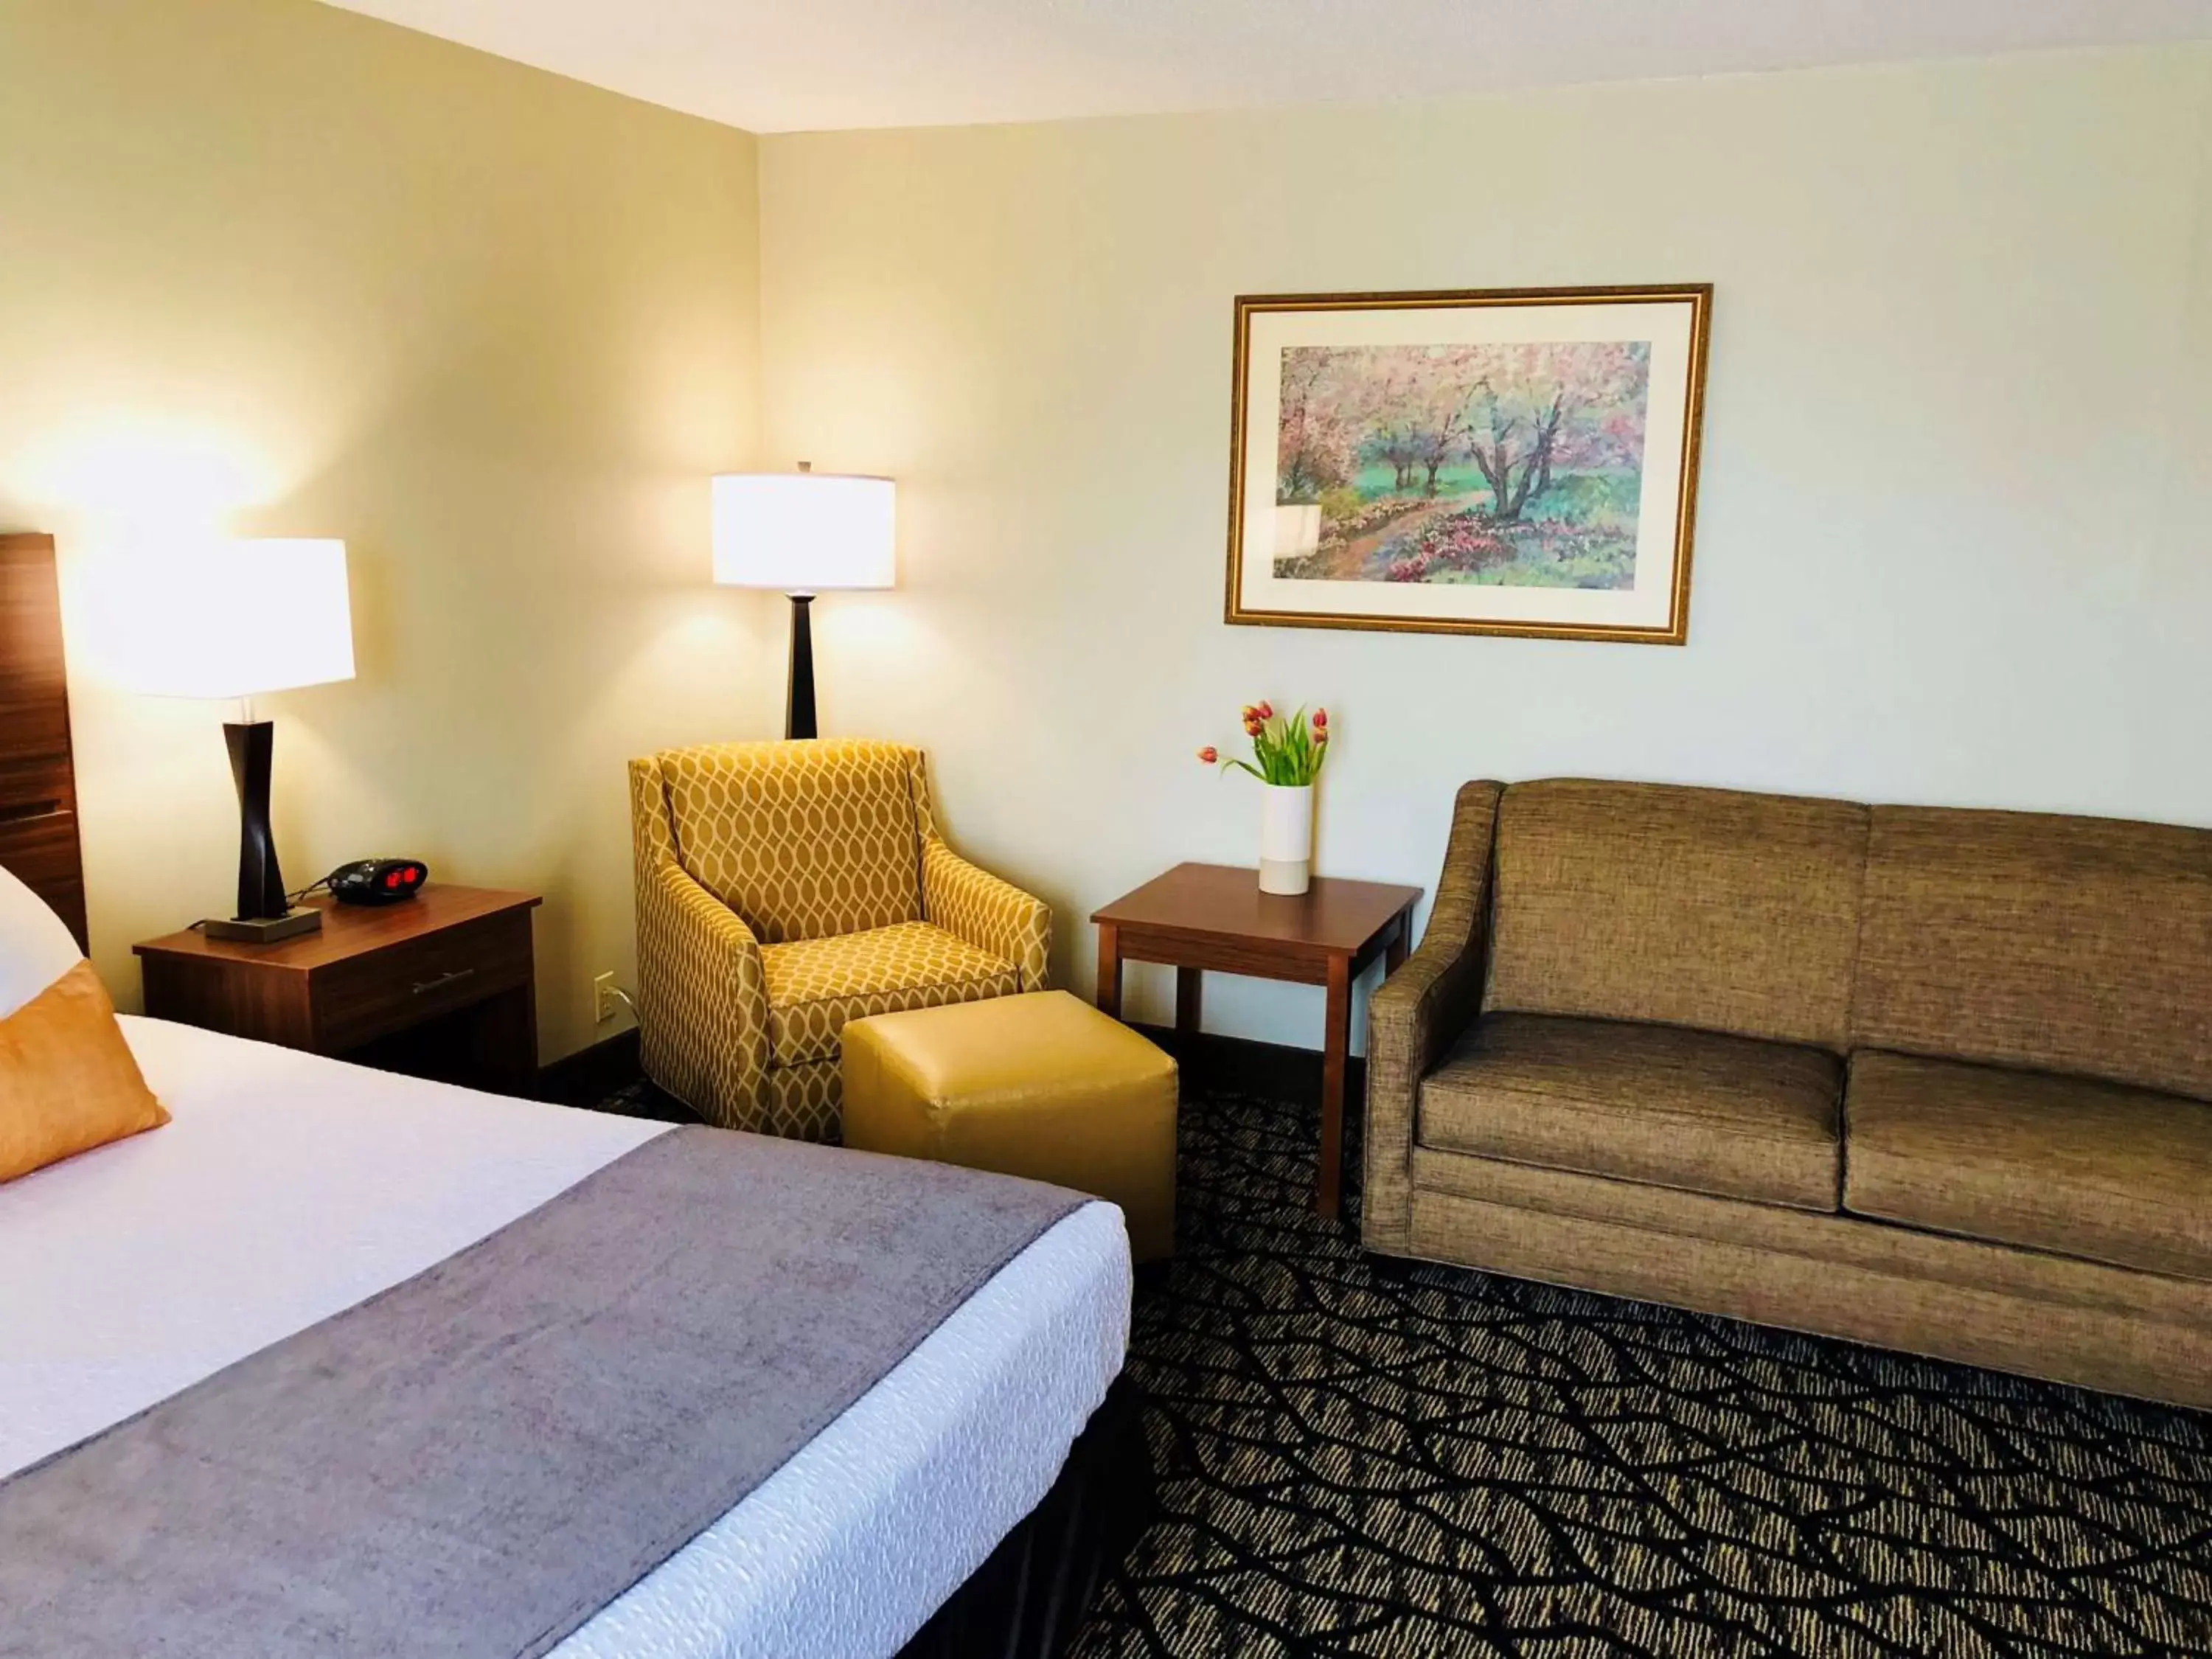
x,y
1198,917
442,985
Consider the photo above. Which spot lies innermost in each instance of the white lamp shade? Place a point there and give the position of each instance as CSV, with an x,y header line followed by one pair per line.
x,y
805,532
232,619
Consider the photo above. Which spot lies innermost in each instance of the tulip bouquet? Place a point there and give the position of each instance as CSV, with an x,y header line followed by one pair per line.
x,y
1285,752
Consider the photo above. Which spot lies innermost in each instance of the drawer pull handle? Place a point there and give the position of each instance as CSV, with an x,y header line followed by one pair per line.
x,y
423,988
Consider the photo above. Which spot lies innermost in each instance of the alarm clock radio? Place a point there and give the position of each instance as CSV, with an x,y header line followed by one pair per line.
x,y
378,881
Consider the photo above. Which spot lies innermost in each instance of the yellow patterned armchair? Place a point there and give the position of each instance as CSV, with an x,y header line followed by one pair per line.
x,y
786,888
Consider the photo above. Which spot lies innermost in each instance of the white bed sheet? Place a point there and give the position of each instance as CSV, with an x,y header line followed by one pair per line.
x,y
289,1187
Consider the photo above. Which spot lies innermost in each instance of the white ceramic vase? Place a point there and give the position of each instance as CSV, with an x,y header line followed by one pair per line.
x,y
1286,837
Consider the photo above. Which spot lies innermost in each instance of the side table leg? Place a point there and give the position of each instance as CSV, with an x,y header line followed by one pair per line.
x,y
1394,954
1190,992
1336,1047
1110,970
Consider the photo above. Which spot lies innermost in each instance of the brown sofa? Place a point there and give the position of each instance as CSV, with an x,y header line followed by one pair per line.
x,y
1939,1080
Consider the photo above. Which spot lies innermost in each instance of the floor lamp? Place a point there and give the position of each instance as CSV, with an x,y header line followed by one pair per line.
x,y
803,533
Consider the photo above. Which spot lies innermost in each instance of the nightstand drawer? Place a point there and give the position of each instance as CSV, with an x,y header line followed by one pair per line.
x,y
407,982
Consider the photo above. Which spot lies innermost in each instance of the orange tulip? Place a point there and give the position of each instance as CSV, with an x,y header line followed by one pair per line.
x,y
1320,720
1264,712
1209,754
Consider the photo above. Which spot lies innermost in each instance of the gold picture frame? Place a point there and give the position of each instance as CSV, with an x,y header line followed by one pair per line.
x,y
1511,461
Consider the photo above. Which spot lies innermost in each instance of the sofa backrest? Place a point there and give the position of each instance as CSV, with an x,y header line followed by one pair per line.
x,y
2060,944
1706,908
802,839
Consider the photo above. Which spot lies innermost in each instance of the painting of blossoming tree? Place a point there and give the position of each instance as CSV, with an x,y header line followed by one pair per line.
x,y
1518,465
1411,456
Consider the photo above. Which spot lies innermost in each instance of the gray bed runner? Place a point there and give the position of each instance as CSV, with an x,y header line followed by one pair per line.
x,y
476,1461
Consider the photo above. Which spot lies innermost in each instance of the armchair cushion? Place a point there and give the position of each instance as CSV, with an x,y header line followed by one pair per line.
x,y
802,840
816,986
1731,1116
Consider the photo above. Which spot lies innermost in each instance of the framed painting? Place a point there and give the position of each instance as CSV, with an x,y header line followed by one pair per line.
x,y
1505,461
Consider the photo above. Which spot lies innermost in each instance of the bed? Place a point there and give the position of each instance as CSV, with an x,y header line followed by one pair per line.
x,y
289,1187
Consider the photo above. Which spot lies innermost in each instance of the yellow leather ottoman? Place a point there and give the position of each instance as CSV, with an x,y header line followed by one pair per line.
x,y
1042,1085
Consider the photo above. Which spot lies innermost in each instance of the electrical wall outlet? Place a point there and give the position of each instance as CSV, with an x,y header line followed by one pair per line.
x,y
606,1001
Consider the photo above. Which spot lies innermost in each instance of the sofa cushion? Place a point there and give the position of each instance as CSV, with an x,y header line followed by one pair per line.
x,y
802,840
2084,1169
2048,943
1704,908
815,985
1700,1110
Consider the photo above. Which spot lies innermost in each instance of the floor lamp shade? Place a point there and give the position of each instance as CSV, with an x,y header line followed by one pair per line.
x,y
804,533
233,620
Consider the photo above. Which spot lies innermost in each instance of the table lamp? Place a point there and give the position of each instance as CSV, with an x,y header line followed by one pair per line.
x,y
230,621
802,533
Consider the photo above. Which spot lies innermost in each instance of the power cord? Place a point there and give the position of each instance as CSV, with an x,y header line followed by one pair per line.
x,y
290,899
312,887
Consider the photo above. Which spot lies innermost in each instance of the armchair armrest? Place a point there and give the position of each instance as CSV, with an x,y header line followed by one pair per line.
x,y
702,997
991,914
1418,1012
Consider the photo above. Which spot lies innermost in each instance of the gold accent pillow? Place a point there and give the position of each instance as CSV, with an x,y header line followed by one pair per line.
x,y
67,1081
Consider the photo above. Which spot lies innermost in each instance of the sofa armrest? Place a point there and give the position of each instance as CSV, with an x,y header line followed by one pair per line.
x,y
995,915
1420,1012
702,999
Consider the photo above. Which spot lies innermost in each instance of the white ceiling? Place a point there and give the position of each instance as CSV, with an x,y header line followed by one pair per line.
x,y
783,65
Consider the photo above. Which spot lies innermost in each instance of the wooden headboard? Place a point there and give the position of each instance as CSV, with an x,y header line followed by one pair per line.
x,y
37,776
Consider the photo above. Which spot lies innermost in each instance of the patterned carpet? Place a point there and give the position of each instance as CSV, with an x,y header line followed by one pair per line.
x,y
1362,1459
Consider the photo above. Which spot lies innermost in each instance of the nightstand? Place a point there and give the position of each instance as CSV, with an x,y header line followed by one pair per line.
x,y
439,986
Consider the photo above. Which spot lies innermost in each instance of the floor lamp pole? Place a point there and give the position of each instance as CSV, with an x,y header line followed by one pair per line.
x,y
799,696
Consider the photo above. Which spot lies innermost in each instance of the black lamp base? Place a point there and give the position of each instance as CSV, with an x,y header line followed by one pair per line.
x,y
265,913
263,930
798,694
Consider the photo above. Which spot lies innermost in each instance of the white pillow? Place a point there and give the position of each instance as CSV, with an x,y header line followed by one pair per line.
x,y
36,946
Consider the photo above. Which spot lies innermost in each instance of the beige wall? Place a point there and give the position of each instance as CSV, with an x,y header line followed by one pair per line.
x,y
282,270
1955,539
279,268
